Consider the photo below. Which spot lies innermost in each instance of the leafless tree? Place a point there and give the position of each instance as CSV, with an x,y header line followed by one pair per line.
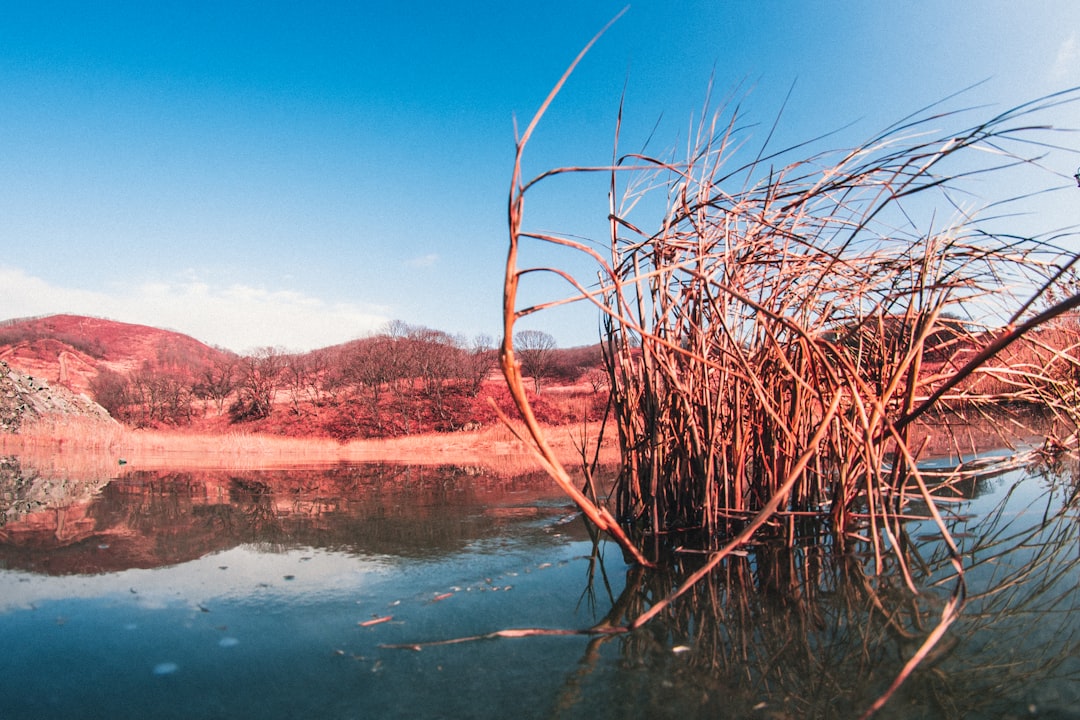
x,y
260,377
368,368
304,377
477,363
110,390
536,350
217,381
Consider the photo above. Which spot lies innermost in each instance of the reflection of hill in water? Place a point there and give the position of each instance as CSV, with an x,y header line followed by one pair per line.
x,y
149,519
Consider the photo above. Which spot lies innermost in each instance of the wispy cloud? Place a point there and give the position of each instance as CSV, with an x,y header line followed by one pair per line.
x,y
238,317
423,261
1067,61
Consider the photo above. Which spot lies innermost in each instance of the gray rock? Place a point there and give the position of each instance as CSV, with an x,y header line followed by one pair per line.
x,y
23,398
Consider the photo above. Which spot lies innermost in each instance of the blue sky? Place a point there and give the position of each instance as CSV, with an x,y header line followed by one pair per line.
x,y
297,174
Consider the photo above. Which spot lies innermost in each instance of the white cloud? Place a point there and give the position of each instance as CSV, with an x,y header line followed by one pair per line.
x,y
1067,60
238,317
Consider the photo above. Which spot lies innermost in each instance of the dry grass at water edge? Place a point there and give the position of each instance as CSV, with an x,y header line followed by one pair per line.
x,y
52,438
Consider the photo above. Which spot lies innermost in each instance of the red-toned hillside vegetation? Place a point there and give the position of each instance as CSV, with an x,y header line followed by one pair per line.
x,y
405,380
409,380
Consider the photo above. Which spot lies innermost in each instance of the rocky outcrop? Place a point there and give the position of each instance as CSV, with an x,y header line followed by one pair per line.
x,y
24,398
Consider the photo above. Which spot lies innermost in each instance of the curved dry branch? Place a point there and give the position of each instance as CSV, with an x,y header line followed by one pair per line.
x,y
511,368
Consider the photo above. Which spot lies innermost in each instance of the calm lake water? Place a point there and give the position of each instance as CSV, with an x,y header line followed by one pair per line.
x,y
279,594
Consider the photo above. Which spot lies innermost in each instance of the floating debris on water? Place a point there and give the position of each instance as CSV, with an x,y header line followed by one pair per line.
x,y
166,668
227,642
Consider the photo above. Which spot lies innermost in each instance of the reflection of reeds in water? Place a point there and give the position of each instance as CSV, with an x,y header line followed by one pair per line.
x,y
808,632
1023,572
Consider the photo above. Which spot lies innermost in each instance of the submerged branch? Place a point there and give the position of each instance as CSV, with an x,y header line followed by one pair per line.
x,y
509,633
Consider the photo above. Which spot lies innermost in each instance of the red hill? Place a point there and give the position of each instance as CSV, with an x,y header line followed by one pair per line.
x,y
70,349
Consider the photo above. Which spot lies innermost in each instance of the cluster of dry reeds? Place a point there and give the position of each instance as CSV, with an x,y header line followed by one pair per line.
x,y
776,327
776,340
773,331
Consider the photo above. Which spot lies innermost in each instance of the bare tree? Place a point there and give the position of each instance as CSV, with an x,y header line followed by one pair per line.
x,y
369,367
434,356
597,379
145,396
477,363
111,390
260,377
217,381
536,350
304,377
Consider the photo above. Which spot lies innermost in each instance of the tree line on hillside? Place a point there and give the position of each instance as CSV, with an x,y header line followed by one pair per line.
x,y
399,381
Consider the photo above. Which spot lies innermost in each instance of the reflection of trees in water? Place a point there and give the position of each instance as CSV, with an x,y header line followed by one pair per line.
x,y
152,518
807,632
252,502
161,515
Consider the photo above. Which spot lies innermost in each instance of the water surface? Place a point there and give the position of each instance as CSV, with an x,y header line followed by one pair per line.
x,y
278,594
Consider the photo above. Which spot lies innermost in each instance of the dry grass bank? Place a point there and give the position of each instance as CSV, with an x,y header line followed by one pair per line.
x,y
54,440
